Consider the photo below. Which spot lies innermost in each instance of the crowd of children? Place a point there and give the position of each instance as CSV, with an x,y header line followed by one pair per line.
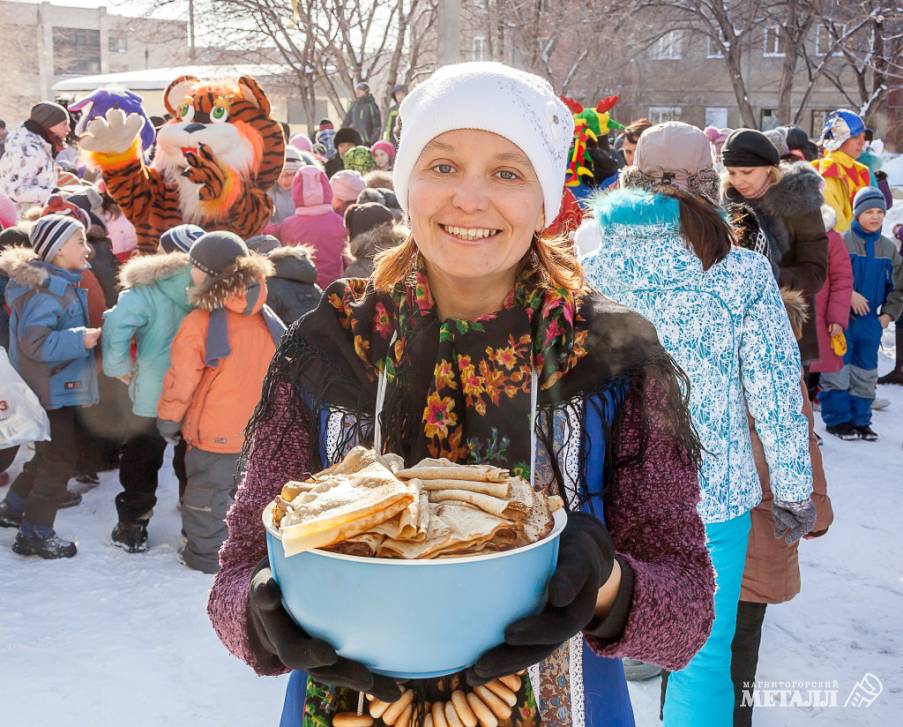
x,y
128,353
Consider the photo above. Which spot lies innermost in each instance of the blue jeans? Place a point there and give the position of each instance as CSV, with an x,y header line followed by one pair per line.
x,y
702,694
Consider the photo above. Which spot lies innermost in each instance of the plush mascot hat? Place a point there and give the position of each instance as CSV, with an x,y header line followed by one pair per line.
x,y
839,126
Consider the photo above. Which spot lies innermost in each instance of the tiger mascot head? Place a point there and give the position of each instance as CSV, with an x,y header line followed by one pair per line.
x,y
221,137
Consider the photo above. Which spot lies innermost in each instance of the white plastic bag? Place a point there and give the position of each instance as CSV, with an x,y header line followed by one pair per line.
x,y
22,418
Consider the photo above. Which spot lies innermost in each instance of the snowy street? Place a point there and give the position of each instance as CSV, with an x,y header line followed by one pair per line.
x,y
116,639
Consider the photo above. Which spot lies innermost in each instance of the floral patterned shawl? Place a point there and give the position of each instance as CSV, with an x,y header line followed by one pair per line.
x,y
470,380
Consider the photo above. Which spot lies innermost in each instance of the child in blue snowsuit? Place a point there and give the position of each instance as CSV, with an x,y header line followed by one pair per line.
x,y
847,395
50,342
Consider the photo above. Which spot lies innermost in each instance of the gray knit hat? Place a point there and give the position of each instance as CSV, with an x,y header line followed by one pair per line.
x,y
51,232
180,238
778,137
868,198
215,252
48,114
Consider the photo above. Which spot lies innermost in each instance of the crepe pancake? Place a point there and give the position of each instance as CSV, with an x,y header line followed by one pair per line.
x,y
443,469
411,523
497,506
454,528
364,545
342,505
495,489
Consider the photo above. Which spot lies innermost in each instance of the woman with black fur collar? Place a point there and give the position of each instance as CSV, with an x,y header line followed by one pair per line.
x,y
776,209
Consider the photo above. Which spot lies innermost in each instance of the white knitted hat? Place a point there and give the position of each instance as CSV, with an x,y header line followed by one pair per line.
x,y
494,97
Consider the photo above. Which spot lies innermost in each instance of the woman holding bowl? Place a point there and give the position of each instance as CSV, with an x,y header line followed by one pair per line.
x,y
470,320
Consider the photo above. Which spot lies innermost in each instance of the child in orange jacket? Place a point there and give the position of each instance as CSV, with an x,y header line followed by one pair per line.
x,y
218,361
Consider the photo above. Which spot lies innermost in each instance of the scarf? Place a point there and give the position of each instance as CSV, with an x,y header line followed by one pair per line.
x,y
870,238
459,389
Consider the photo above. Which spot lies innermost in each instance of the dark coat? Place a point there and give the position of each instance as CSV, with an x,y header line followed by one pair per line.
x,y
333,165
104,264
788,218
363,117
293,290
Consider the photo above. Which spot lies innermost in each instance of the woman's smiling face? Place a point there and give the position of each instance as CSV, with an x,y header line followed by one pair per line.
x,y
475,203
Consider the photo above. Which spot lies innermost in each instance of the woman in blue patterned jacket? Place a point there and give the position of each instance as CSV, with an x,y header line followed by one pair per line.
x,y
667,252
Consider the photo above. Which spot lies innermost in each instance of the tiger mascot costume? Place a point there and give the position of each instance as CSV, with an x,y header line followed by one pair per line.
x,y
212,166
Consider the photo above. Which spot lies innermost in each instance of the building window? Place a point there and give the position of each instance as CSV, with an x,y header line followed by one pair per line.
x,y
716,116
713,48
478,51
667,47
824,39
768,119
661,114
774,42
75,50
118,44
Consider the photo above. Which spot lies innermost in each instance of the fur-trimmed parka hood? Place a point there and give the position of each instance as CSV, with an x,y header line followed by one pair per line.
x,y
798,191
150,269
230,289
294,262
368,244
25,269
22,265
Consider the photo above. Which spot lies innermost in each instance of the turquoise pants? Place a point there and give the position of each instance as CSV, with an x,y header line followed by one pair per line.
x,y
702,695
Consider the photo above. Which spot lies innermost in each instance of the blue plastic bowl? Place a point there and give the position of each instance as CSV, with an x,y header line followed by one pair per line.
x,y
413,619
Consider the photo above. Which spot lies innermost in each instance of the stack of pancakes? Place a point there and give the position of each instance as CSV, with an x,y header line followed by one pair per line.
x,y
370,505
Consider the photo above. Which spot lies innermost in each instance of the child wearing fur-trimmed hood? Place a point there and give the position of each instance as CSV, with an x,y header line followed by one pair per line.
x,y
218,361
152,304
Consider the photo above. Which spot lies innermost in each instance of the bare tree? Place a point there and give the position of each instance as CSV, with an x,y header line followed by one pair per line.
x,y
325,46
869,36
556,39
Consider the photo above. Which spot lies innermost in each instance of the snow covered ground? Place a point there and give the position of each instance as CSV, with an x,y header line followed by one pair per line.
x,y
110,638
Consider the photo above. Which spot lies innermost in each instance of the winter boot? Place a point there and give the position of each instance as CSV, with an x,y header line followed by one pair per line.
x,y
866,433
896,376
131,537
9,517
50,547
844,431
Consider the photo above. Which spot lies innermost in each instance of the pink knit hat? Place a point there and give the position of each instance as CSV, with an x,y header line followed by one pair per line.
x,y
384,146
8,214
311,192
347,185
301,143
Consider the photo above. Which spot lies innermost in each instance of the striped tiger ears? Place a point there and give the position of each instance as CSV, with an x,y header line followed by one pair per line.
x,y
253,93
175,93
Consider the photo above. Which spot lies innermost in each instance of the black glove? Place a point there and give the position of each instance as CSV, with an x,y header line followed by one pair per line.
x,y
277,640
585,561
